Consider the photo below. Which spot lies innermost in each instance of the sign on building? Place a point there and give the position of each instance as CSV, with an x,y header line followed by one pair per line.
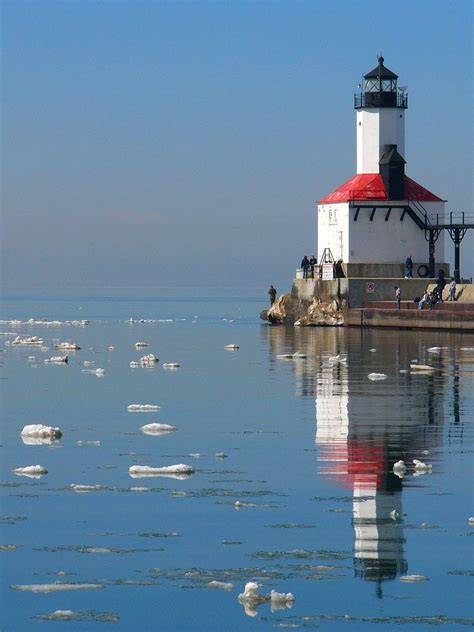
x,y
370,287
327,272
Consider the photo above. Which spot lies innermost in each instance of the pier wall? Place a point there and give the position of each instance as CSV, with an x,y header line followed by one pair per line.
x,y
461,320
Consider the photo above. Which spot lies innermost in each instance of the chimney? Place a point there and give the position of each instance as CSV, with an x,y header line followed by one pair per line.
x,y
392,170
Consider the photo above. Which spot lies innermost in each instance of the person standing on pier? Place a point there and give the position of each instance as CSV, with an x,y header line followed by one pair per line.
x,y
398,296
409,268
305,266
452,290
272,294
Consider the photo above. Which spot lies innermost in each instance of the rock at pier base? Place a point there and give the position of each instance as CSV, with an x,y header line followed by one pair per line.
x,y
289,310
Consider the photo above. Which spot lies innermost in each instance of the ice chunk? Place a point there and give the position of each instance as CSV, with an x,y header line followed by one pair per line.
x,y
171,365
142,408
57,360
422,367
422,467
56,586
467,348
134,365
87,442
377,376
140,345
413,578
30,340
399,467
471,521
97,372
174,471
372,350
157,428
221,455
32,471
39,431
231,347
70,346
148,360
222,585
89,362
280,601
85,488
436,349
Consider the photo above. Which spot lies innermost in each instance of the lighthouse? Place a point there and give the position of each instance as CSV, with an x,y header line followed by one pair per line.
x,y
377,218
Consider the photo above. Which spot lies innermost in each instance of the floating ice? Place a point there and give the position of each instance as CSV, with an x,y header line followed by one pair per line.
x,y
111,348
422,367
57,360
222,585
89,362
56,586
221,455
291,356
142,408
77,487
139,345
98,372
436,349
31,340
157,428
148,360
403,371
422,467
70,346
195,455
31,358
171,365
86,442
232,347
32,471
175,471
467,349
394,515
377,376
471,521
134,365
399,467
39,431
413,578
251,598
372,350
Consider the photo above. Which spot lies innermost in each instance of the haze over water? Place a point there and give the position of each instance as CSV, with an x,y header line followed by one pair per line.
x,y
306,447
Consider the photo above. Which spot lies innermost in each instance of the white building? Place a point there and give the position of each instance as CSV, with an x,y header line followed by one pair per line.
x,y
379,215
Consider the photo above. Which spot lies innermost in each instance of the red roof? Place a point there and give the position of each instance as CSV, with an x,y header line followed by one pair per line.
x,y
370,186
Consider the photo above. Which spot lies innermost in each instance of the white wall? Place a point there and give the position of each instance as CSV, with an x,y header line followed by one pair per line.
x,y
390,241
376,128
333,230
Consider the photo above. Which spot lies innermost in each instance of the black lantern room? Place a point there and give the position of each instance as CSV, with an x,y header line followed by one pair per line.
x,y
380,90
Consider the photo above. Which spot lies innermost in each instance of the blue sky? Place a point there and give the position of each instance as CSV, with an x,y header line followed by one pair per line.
x,y
184,143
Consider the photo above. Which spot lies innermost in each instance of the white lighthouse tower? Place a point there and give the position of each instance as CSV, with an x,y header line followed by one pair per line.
x,y
375,220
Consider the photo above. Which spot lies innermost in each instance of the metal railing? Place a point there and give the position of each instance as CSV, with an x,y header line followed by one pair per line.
x,y
381,99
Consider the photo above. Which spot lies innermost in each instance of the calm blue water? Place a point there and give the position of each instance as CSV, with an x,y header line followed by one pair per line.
x,y
321,512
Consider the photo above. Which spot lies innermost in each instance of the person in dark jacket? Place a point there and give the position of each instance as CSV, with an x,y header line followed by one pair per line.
x,y
409,268
312,262
440,283
305,265
272,294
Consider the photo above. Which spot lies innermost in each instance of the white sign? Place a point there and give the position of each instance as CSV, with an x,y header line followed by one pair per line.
x,y
370,287
328,272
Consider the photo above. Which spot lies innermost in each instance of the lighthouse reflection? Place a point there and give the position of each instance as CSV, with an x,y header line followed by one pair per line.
x,y
363,428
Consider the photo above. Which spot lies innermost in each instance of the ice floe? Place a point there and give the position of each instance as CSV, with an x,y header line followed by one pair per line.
x,y
139,345
148,360
32,471
69,346
29,340
251,598
422,467
467,348
426,368
436,349
372,350
39,431
232,347
97,372
78,487
413,578
157,428
56,586
471,521
291,356
223,585
57,360
87,442
399,468
171,365
142,408
180,470
221,455
377,376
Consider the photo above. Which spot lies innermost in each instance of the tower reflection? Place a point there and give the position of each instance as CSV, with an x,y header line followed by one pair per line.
x,y
363,428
